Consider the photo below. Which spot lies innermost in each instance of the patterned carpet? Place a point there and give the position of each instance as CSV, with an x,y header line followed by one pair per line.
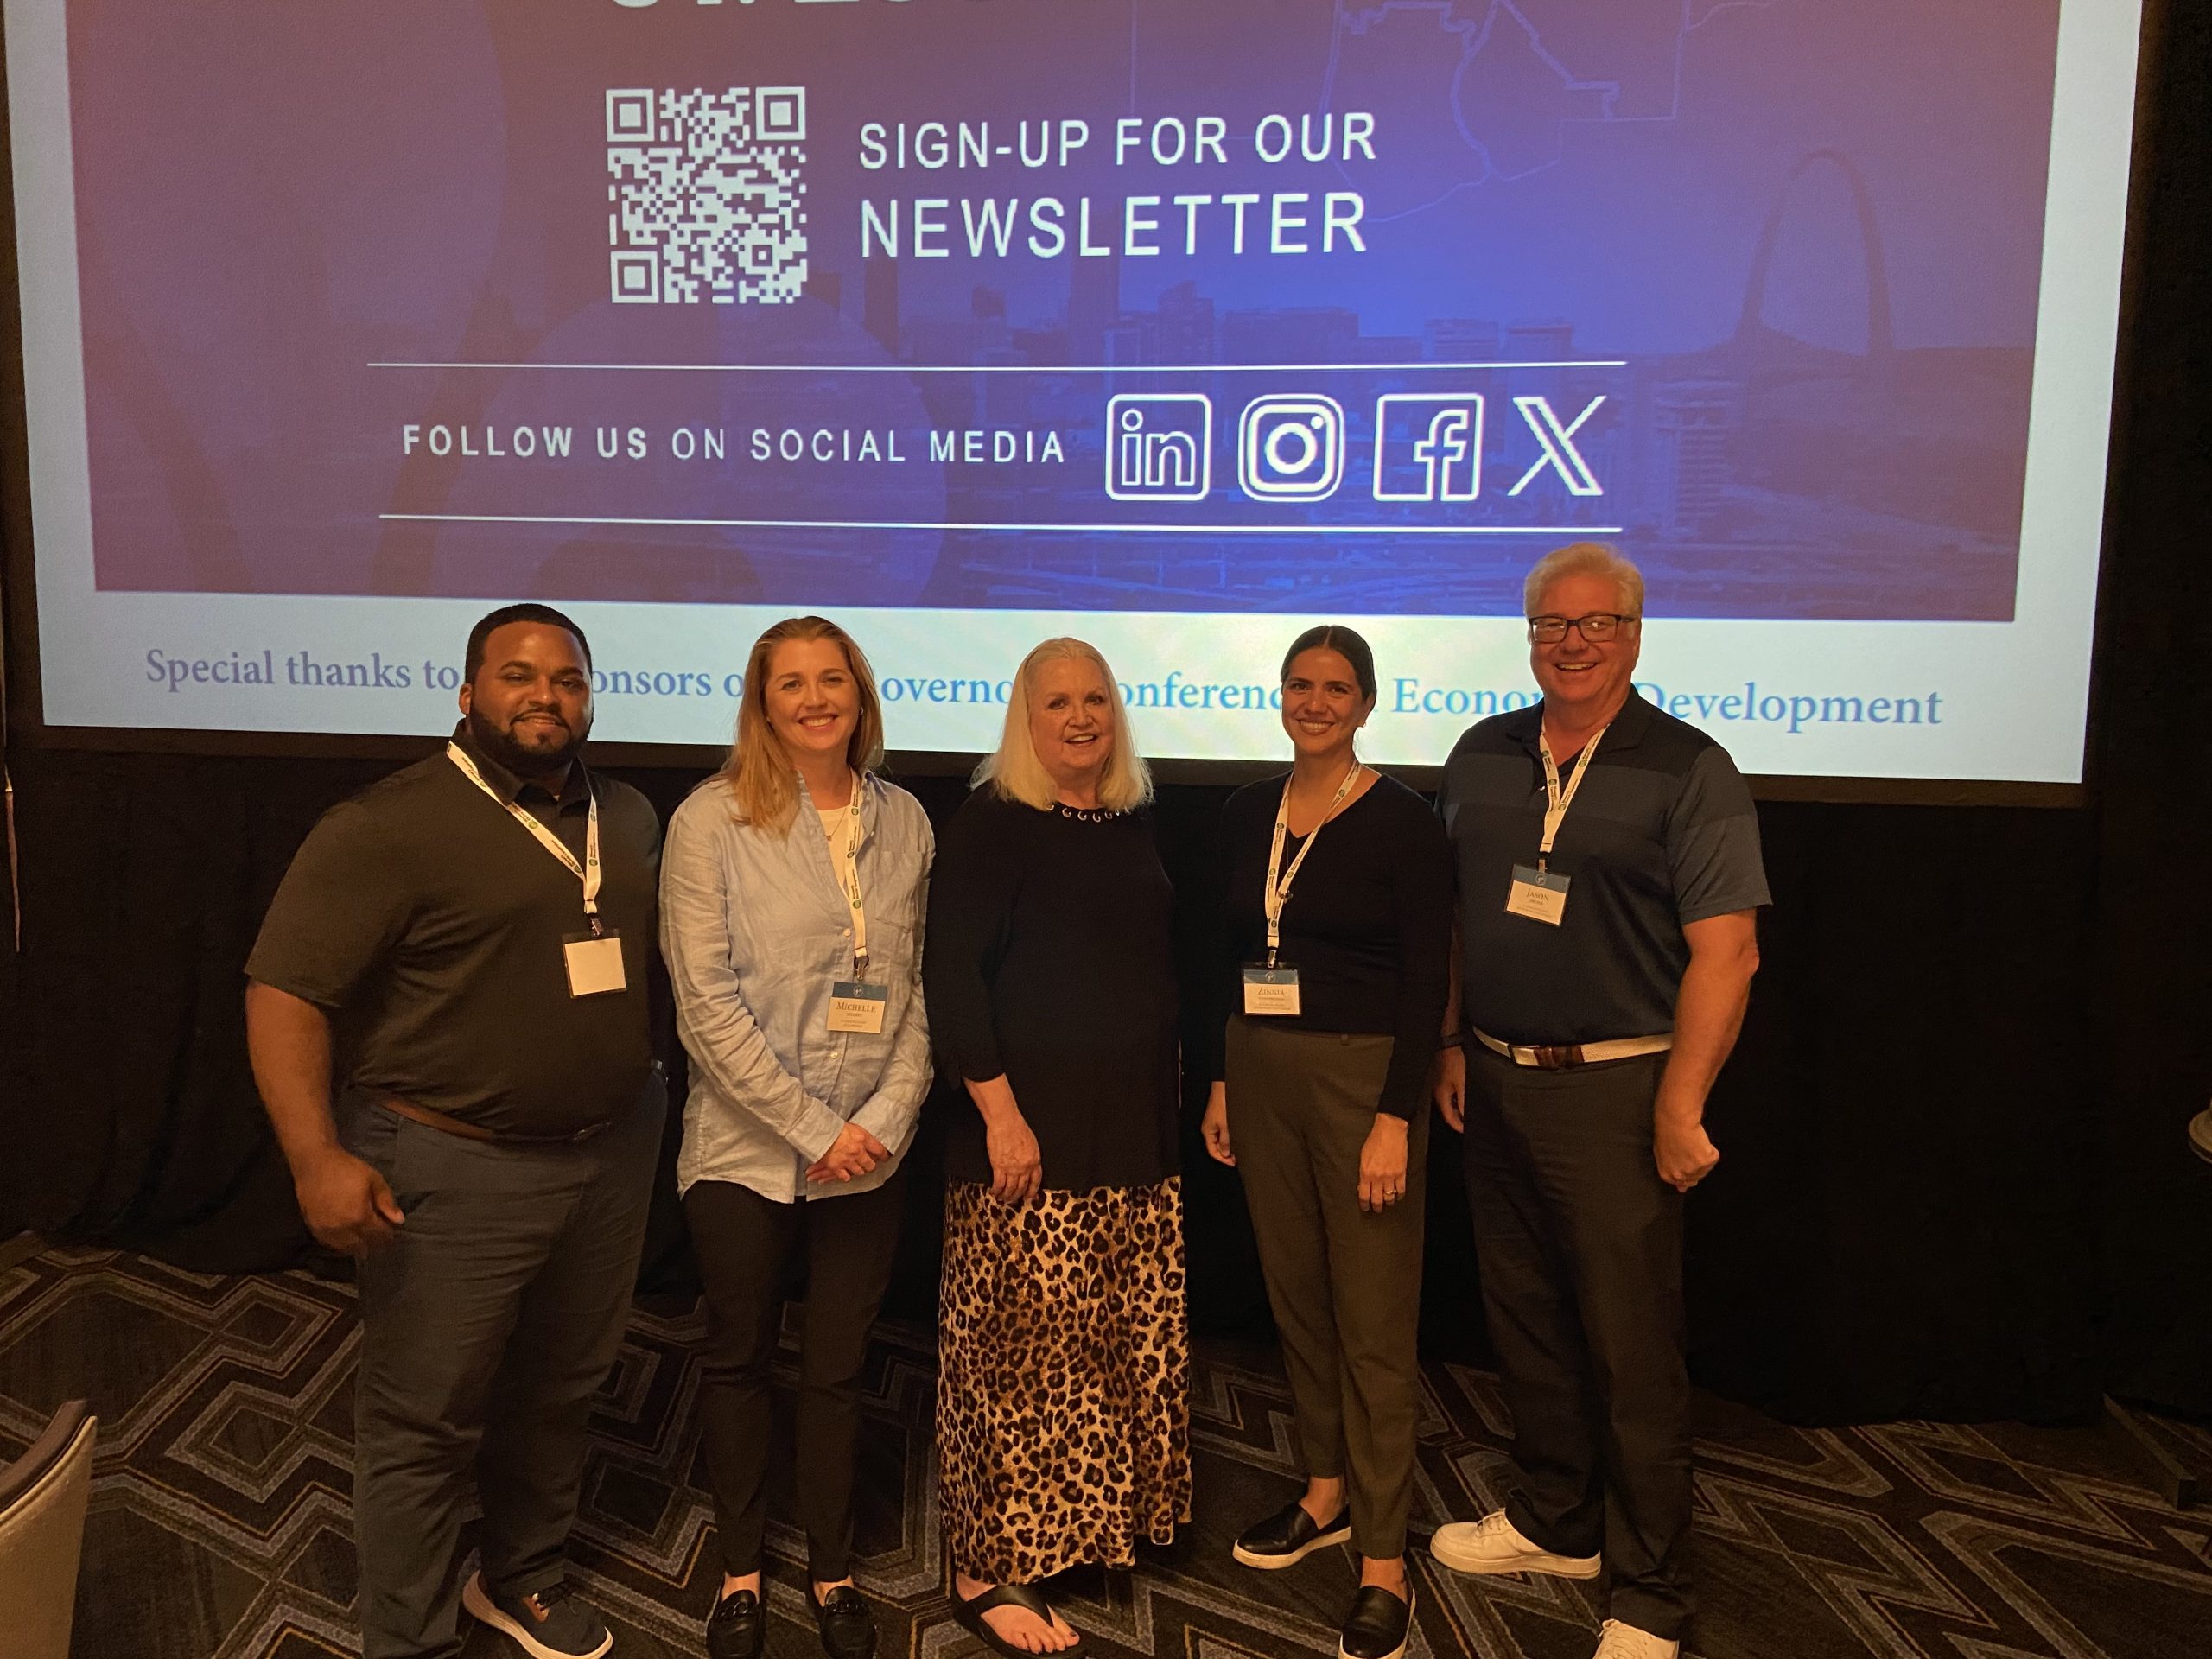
x,y
219,1523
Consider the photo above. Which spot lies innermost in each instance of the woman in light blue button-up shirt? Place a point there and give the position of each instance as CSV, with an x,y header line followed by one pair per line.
x,y
793,933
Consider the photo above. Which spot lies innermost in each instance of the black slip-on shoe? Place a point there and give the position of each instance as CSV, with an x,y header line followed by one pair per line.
x,y
546,1624
738,1627
1377,1624
1287,1537
847,1627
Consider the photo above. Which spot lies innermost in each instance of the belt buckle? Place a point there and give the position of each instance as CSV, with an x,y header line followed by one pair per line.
x,y
1558,1057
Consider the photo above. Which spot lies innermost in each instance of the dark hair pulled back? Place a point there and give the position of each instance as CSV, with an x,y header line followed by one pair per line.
x,y
1347,644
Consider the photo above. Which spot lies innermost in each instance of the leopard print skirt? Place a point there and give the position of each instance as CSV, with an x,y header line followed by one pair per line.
x,y
1064,1369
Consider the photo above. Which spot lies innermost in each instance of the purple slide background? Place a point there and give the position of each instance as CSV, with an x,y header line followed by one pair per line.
x,y
273,196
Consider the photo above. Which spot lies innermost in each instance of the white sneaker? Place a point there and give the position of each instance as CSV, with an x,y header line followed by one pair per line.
x,y
1619,1640
1494,1544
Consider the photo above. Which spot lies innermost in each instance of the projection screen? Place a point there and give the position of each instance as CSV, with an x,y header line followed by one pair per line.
x,y
1175,324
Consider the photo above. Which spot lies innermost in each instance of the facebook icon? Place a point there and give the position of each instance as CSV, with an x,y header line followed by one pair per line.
x,y
1428,446
1160,447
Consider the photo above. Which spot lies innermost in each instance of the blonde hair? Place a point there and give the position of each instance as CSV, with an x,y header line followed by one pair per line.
x,y
1585,559
1016,772
761,774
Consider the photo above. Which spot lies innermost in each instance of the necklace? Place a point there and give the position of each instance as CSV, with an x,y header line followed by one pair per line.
x,y
1086,815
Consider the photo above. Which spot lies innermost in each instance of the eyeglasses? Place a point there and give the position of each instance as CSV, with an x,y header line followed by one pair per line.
x,y
1597,627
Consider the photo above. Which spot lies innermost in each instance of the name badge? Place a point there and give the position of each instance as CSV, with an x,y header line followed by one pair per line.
x,y
856,1006
595,963
1540,895
1271,990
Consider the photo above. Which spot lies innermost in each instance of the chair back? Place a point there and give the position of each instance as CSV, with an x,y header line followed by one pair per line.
x,y
43,1495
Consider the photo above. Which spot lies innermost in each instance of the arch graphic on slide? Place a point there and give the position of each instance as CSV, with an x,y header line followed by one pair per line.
x,y
1881,337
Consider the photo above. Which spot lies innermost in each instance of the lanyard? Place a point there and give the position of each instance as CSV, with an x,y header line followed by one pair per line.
x,y
849,878
587,871
1560,799
1276,894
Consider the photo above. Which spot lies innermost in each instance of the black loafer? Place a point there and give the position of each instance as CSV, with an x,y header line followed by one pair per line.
x,y
738,1627
847,1626
1377,1626
1287,1537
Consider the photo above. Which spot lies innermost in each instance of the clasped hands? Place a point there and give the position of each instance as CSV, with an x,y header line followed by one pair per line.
x,y
852,1155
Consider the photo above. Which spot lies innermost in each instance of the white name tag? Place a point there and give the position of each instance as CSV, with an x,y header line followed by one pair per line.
x,y
595,964
1540,895
857,1006
1271,990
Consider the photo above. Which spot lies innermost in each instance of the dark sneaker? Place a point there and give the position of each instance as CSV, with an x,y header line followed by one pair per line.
x,y
545,1624
1377,1627
847,1626
1287,1537
738,1627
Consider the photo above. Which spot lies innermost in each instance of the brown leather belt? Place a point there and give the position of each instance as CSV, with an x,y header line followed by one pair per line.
x,y
446,1124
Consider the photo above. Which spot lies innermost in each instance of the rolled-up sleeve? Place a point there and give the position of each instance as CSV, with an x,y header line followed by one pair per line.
x,y
719,1031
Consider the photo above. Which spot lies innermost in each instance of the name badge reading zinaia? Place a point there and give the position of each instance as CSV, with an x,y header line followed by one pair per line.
x,y
1271,990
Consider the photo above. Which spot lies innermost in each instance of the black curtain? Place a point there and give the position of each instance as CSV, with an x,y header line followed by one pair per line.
x,y
1954,1182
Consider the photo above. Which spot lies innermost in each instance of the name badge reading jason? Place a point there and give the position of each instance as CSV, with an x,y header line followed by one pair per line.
x,y
595,963
1540,895
1271,990
856,1006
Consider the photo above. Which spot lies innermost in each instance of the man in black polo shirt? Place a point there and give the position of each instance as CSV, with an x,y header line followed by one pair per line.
x,y
1610,877
463,948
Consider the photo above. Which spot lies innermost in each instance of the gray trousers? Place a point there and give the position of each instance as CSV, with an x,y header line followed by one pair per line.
x,y
1345,1285
1580,1244
486,1327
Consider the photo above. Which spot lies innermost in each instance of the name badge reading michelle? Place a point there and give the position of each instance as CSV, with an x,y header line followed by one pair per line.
x,y
856,1006
1271,990
595,963
1540,895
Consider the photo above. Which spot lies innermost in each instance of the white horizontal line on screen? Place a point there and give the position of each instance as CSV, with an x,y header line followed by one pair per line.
x,y
1011,368
1033,530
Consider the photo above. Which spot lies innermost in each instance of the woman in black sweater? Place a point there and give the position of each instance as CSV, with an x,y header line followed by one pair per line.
x,y
1064,1353
1340,910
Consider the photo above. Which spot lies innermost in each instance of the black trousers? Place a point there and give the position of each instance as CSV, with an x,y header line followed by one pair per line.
x,y
1580,1244
747,1248
487,1325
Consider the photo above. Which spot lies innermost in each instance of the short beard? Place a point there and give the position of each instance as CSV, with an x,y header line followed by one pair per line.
x,y
523,763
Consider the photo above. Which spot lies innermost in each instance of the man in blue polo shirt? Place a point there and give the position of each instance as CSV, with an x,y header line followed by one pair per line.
x,y
1609,883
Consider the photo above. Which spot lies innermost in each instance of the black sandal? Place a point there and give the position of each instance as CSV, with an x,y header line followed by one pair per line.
x,y
971,1616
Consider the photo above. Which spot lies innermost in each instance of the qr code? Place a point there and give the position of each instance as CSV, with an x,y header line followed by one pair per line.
x,y
706,201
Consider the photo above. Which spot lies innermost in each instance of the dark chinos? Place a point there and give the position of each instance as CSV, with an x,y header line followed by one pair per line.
x,y
429,924
1578,1239
1367,927
757,932
487,1327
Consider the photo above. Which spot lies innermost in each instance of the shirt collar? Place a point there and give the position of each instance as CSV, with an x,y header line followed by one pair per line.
x,y
575,788
1625,732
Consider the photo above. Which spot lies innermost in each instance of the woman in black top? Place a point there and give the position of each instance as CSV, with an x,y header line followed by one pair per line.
x,y
1064,1355
1339,907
